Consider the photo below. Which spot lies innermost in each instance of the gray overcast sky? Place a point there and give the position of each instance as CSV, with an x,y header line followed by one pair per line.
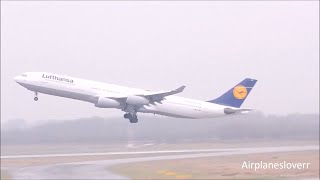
x,y
207,46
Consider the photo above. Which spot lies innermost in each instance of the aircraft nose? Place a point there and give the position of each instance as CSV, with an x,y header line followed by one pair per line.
x,y
17,78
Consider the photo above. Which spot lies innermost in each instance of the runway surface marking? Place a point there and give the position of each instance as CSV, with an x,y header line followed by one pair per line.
x,y
134,152
112,153
176,175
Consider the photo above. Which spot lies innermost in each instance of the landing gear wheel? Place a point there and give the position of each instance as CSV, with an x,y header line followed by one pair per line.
x,y
36,96
127,116
134,119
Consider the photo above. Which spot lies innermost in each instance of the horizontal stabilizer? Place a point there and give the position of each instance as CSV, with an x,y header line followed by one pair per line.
x,y
233,111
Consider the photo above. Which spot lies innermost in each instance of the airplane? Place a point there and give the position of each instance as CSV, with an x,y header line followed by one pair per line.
x,y
132,100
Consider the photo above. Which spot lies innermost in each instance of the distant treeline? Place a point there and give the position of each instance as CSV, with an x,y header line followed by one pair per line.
x,y
157,129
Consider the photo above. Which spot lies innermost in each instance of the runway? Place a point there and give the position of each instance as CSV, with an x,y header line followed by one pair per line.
x,y
98,169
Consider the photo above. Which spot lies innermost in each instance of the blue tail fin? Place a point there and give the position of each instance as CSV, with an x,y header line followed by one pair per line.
x,y
236,95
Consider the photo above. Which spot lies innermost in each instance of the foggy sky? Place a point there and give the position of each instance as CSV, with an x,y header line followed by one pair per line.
x,y
207,46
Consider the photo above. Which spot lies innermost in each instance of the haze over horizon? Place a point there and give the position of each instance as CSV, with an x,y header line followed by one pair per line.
x,y
206,46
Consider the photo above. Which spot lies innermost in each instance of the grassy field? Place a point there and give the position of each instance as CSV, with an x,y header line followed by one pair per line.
x,y
225,167
5,175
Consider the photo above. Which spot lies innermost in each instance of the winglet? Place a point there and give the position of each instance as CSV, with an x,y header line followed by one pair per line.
x,y
180,89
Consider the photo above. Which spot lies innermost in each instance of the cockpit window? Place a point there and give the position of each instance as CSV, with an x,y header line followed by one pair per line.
x,y
24,75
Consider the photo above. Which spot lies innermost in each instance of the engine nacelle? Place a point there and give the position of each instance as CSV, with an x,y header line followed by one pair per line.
x,y
137,100
107,103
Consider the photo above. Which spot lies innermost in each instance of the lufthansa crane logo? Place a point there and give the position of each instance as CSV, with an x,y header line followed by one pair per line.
x,y
240,92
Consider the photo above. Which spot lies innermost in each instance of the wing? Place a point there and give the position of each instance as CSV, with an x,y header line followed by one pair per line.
x,y
158,96
151,96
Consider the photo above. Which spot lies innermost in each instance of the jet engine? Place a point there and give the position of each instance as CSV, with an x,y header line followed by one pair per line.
x,y
137,100
107,103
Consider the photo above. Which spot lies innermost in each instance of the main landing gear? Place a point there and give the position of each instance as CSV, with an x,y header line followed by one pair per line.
x,y
36,96
132,117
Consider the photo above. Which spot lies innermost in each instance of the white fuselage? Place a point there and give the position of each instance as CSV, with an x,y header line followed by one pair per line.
x,y
90,91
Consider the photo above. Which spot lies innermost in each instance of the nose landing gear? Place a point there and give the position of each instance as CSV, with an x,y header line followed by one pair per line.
x,y
36,96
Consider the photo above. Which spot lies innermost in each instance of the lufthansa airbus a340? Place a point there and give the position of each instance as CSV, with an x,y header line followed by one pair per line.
x,y
132,101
